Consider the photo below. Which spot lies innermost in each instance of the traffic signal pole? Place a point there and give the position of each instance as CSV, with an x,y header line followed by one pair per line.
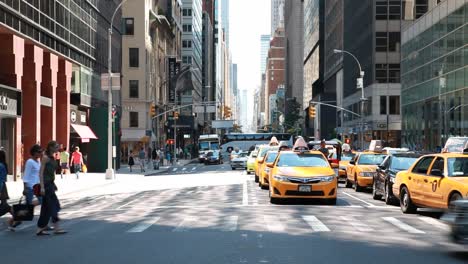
x,y
175,138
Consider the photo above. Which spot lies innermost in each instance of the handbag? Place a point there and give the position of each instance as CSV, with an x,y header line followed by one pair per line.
x,y
23,212
84,168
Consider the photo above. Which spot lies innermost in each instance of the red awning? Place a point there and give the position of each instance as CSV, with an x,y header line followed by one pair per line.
x,y
84,132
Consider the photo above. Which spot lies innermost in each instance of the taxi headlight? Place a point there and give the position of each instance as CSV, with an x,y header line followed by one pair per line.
x,y
366,174
280,178
327,178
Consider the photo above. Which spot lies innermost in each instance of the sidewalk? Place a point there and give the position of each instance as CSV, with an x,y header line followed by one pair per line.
x,y
69,184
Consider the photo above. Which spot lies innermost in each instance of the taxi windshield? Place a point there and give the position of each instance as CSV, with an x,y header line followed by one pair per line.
x,y
302,160
457,167
402,163
347,157
271,157
371,159
263,152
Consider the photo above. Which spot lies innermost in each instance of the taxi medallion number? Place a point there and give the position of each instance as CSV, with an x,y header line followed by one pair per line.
x,y
305,188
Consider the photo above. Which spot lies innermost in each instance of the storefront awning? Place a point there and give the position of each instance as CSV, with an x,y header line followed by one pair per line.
x,y
84,132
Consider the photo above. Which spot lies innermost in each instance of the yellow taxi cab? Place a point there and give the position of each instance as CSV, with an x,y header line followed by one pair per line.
x,y
361,170
262,150
434,181
265,170
302,173
346,157
251,162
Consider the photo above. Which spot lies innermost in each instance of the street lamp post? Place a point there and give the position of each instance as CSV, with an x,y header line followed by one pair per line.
x,y
359,85
110,153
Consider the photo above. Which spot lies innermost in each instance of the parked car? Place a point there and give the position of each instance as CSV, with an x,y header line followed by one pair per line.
x,y
386,172
240,162
214,157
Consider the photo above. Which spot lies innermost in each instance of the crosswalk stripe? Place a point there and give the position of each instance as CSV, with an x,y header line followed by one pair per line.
x,y
435,222
273,224
175,169
315,224
194,168
403,226
144,225
360,226
230,224
184,225
183,169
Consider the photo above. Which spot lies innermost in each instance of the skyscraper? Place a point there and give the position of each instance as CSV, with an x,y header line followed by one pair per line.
x,y
225,19
265,45
277,14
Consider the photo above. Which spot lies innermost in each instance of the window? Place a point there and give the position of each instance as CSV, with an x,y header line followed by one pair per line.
x,y
394,41
438,167
128,27
186,43
394,73
394,105
133,87
423,165
381,73
383,105
186,59
272,78
187,28
133,57
381,10
394,10
187,12
381,41
133,119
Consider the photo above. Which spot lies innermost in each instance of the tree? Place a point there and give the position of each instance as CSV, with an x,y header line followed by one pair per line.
x,y
292,117
237,128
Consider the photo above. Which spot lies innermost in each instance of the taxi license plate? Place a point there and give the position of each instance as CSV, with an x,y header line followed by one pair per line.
x,y
305,188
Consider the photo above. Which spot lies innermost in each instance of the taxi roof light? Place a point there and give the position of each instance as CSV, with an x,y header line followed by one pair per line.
x,y
273,141
376,146
300,145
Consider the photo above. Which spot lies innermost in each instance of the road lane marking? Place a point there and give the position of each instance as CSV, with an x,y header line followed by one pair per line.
x,y
184,225
356,224
144,225
245,194
354,197
403,226
315,224
273,223
230,224
434,222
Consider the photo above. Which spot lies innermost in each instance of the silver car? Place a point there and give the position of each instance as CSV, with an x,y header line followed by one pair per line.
x,y
240,162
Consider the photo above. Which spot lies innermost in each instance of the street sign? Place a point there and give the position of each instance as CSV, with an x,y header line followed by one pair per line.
x,y
115,81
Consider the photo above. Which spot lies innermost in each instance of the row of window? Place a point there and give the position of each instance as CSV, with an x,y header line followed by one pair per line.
x,y
387,73
388,105
387,41
396,10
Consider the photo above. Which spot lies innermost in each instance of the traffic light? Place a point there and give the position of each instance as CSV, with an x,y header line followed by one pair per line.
x,y
347,141
176,115
170,142
312,111
227,112
153,110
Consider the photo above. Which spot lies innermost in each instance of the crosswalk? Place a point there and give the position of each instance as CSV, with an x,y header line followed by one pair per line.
x,y
267,223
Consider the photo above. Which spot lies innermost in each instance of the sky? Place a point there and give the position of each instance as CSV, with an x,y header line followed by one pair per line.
x,y
248,20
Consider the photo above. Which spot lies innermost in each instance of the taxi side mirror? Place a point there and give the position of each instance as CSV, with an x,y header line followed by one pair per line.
x,y
270,165
352,162
335,165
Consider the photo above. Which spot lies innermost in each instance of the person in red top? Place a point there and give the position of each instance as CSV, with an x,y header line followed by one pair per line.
x,y
77,161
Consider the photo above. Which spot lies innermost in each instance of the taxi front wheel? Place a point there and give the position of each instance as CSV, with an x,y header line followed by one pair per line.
x,y
407,206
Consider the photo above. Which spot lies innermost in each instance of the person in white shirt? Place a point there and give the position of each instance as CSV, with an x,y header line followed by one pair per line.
x,y
31,172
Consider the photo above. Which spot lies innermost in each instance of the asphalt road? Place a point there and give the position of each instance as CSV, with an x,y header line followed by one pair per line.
x,y
216,215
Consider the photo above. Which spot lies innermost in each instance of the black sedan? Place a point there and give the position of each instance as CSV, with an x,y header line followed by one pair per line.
x,y
386,172
213,157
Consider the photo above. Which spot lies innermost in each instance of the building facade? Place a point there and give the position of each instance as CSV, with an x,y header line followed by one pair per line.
x,y
378,25
277,15
435,76
208,88
264,47
53,55
275,69
294,37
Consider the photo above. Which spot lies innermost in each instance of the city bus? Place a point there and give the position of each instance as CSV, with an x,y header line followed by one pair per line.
x,y
205,144
247,142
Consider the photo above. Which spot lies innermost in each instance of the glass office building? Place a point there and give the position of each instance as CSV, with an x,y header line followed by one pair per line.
x,y
435,76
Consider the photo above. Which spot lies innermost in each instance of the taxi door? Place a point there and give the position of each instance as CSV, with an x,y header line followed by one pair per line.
x,y
435,185
416,179
350,168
